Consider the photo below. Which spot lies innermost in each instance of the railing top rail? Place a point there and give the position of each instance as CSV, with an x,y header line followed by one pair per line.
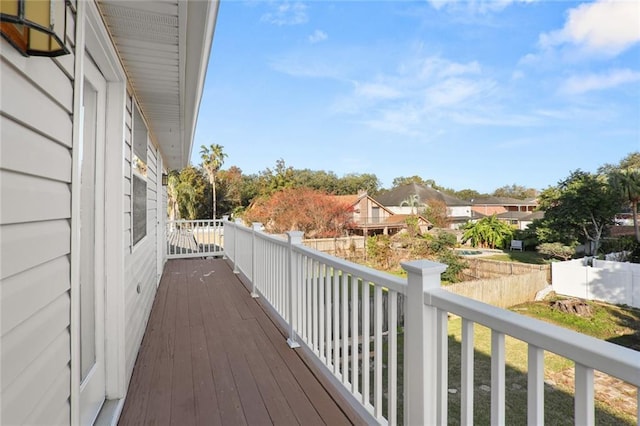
x,y
368,274
194,220
600,355
275,239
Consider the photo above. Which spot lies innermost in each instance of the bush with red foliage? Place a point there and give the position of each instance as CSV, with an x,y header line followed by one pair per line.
x,y
316,213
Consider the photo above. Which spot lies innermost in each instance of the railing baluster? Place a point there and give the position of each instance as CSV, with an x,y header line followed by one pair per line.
x,y
443,365
466,397
392,360
366,344
535,386
336,321
321,310
345,327
314,301
497,378
354,334
584,393
377,343
328,285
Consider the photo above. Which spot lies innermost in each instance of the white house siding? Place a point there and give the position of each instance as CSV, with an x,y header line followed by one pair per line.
x,y
35,234
140,260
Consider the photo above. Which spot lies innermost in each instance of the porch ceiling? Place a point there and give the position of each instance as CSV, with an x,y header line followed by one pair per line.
x,y
164,46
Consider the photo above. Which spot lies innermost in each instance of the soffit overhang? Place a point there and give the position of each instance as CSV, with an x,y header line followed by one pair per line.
x,y
164,47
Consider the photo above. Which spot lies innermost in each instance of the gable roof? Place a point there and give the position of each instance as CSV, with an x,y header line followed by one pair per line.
x,y
503,201
397,195
353,200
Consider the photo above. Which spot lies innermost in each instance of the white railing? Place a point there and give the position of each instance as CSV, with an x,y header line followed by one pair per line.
x,y
194,238
353,318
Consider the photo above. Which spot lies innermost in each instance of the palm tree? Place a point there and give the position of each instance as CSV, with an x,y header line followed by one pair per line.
x,y
180,195
212,159
412,201
488,232
627,183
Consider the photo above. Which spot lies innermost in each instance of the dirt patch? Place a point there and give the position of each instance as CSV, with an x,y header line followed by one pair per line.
x,y
613,392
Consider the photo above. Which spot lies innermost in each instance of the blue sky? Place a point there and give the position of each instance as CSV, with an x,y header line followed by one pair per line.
x,y
475,94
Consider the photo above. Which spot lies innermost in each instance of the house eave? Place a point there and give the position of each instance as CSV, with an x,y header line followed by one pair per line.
x,y
164,47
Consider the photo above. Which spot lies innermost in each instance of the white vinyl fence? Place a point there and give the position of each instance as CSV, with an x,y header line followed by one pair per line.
x,y
607,281
336,310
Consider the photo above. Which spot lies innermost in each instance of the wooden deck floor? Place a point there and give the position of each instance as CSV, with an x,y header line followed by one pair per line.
x,y
211,355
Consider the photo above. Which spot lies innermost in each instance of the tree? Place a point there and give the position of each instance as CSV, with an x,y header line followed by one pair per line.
x,y
436,213
230,184
468,194
179,195
515,191
488,232
271,181
557,250
402,180
582,205
353,182
212,159
626,182
315,213
194,192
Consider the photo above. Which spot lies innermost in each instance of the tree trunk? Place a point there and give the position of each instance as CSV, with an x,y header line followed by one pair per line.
x,y
213,198
634,210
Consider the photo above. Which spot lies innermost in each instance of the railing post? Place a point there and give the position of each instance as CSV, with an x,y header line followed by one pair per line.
x,y
238,222
421,339
255,226
294,238
225,219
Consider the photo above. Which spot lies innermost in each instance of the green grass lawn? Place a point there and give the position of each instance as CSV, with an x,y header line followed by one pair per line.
x,y
559,404
612,323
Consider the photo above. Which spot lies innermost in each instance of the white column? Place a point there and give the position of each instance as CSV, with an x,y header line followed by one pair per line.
x,y
294,238
421,339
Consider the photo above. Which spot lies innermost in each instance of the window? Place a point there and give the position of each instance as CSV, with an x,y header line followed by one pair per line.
x,y
139,178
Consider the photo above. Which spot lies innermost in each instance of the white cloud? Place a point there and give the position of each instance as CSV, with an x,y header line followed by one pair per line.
x,y
476,6
318,36
417,95
287,14
591,82
605,27
376,91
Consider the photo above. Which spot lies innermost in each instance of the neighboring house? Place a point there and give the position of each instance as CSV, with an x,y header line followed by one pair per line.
x,y
520,220
496,205
370,217
413,197
86,137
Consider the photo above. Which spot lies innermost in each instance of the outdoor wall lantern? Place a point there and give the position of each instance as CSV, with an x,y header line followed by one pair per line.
x,y
35,27
165,179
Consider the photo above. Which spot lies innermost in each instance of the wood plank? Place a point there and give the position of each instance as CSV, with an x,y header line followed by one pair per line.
x,y
211,355
323,402
159,405
182,407
135,408
226,391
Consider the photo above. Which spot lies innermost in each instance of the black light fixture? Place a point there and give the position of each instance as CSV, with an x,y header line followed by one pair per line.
x,y
35,27
165,179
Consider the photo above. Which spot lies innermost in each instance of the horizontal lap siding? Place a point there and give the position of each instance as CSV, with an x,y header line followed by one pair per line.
x,y
35,235
140,262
